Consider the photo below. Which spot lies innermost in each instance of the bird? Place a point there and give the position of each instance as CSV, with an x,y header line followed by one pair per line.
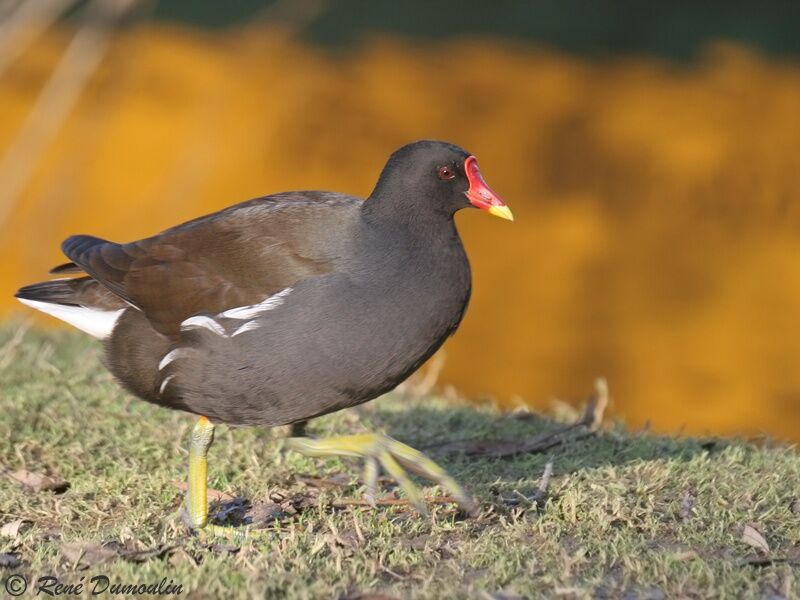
x,y
286,307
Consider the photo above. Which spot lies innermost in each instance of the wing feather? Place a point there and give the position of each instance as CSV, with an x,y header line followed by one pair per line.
x,y
235,258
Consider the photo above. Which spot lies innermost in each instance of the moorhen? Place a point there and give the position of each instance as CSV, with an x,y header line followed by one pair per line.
x,y
286,307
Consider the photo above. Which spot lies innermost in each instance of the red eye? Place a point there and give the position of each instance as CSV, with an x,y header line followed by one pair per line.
x,y
446,173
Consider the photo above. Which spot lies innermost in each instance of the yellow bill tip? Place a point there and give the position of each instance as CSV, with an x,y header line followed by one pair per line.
x,y
501,211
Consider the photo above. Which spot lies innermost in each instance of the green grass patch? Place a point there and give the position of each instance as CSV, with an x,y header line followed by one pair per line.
x,y
625,514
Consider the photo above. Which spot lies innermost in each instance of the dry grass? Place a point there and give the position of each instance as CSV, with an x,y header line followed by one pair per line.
x,y
634,514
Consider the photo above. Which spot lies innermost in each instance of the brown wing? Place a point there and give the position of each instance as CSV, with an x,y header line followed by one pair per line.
x,y
233,258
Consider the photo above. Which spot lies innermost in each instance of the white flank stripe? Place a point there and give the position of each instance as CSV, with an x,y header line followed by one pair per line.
x,y
201,321
168,358
97,323
253,310
250,325
164,383
241,312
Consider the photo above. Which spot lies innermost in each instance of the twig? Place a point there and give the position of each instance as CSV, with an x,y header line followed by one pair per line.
x,y
9,350
596,407
422,384
345,502
428,382
587,426
24,23
57,99
7,7
544,480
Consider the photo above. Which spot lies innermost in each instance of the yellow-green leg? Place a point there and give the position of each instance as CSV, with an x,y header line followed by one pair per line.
x,y
197,492
393,456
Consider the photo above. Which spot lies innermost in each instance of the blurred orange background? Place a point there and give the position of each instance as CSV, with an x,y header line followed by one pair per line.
x,y
657,202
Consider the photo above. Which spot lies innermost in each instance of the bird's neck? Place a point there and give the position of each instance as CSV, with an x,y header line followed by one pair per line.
x,y
415,241
406,212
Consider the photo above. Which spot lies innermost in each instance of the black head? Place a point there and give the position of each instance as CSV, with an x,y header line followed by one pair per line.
x,y
430,178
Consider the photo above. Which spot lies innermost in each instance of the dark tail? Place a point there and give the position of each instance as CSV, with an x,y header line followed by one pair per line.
x,y
81,291
53,292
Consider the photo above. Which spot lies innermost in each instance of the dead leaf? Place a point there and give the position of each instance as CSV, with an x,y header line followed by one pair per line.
x,y
686,555
213,495
499,596
687,505
88,555
240,512
795,506
279,495
325,483
752,537
367,596
9,561
39,482
419,542
346,539
265,512
49,534
181,557
85,555
232,512
14,528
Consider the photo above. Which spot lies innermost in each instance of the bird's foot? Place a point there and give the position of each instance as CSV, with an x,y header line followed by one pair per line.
x,y
378,449
209,532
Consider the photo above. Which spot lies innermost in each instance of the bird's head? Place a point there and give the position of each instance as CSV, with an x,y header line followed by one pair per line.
x,y
430,176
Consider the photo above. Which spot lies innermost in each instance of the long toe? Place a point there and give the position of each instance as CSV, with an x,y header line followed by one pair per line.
x,y
395,458
416,462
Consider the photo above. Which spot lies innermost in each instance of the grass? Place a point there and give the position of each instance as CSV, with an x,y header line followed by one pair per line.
x,y
626,514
